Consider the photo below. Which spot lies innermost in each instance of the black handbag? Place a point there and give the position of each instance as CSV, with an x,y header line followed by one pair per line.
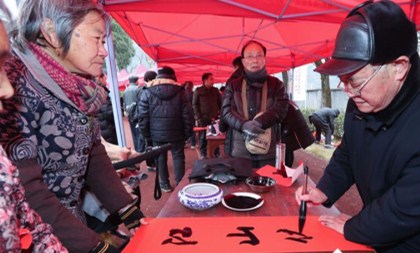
x,y
222,170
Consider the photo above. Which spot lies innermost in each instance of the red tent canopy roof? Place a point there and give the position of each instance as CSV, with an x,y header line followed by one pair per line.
x,y
201,36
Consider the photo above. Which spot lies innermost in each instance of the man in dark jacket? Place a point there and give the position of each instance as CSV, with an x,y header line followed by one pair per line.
x,y
323,120
148,77
254,79
379,68
165,116
206,103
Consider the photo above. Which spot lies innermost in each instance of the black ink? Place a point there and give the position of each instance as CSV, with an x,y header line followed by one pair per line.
x,y
296,239
185,233
295,236
253,240
241,202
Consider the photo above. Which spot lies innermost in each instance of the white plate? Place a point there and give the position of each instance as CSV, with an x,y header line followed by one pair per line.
x,y
252,196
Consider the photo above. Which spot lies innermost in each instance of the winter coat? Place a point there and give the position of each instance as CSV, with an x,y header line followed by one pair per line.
x,y
58,152
232,112
206,104
165,114
106,121
379,152
295,132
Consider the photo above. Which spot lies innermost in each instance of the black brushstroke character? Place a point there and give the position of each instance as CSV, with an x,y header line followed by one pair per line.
x,y
186,232
295,236
253,240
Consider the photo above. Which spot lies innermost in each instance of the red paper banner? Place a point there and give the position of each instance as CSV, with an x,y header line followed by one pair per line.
x,y
237,234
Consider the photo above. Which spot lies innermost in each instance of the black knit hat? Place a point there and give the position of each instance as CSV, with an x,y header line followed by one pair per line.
x,y
166,72
373,33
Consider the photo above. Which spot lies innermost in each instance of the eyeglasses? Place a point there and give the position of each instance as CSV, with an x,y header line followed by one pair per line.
x,y
256,57
356,90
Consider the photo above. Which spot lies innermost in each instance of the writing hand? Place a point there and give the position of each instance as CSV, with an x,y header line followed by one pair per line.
x,y
314,196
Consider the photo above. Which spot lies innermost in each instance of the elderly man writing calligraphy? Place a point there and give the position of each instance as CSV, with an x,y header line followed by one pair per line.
x,y
378,66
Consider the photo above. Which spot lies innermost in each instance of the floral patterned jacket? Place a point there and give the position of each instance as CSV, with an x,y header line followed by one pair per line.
x,y
58,152
15,214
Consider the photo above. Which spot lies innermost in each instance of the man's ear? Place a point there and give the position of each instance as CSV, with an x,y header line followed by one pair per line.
x,y
402,66
48,32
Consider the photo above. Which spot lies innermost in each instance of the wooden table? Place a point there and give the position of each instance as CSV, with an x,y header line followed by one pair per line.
x,y
213,142
280,201
219,229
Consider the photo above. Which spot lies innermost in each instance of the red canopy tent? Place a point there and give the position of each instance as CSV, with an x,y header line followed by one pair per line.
x,y
201,36
123,76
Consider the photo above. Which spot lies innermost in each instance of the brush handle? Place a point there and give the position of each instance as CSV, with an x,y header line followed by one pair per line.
x,y
302,216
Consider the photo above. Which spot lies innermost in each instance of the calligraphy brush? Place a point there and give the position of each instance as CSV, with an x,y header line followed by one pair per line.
x,y
302,210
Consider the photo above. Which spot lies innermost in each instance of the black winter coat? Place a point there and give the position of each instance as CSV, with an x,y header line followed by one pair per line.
x,y
106,121
380,153
295,132
165,113
232,112
206,104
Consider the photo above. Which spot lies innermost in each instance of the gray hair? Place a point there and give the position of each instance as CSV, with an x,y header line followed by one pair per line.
x,y
5,16
65,15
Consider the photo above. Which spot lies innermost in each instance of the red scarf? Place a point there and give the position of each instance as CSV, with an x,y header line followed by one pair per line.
x,y
84,93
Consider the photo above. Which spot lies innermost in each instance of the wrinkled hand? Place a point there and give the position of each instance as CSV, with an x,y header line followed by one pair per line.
x,y
314,196
335,222
252,128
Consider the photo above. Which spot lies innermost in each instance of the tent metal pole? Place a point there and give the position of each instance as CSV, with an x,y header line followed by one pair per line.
x,y
113,87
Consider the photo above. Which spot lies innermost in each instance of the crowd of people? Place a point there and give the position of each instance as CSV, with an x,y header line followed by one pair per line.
x,y
58,135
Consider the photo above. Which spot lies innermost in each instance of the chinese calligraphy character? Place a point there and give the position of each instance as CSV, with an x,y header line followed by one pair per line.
x,y
179,240
253,240
295,236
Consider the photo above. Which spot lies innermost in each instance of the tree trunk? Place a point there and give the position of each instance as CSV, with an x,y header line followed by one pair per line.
x,y
325,86
285,76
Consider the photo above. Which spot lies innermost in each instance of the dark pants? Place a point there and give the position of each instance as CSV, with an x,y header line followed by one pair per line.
x,y
135,135
141,142
321,127
203,143
193,139
178,157
203,137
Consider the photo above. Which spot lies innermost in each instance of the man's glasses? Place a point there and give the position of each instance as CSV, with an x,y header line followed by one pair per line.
x,y
355,90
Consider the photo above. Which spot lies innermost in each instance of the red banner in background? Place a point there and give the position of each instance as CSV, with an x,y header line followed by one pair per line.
x,y
238,234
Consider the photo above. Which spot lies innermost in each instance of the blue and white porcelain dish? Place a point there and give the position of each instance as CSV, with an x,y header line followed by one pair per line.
x,y
200,196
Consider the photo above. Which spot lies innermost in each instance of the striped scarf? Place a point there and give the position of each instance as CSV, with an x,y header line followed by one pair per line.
x,y
83,92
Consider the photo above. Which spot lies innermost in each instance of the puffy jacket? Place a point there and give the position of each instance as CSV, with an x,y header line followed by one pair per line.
x,y
106,121
165,114
232,112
